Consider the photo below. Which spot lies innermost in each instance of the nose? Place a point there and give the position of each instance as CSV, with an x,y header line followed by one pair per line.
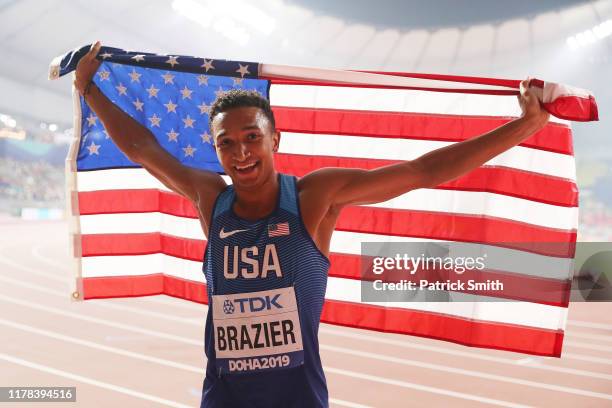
x,y
241,153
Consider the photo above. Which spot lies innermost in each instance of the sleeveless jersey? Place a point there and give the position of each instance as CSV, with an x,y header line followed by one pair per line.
x,y
266,283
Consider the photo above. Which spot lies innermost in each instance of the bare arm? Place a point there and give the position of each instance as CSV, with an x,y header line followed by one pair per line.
x,y
139,144
353,186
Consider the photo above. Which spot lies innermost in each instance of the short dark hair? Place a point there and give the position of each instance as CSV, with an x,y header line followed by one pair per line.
x,y
241,98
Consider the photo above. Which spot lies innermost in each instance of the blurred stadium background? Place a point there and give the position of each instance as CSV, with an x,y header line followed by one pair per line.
x,y
565,41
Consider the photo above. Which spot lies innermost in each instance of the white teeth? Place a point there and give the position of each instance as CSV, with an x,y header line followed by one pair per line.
x,y
248,166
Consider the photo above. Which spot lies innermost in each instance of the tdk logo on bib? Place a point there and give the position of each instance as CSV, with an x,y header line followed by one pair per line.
x,y
253,304
257,304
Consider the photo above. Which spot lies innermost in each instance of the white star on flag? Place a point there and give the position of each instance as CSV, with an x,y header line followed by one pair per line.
x,y
204,108
121,89
104,75
168,78
189,150
172,61
91,119
219,92
237,81
152,90
202,80
172,136
106,55
207,65
171,107
134,76
205,137
138,57
188,122
138,104
155,120
93,148
186,92
243,70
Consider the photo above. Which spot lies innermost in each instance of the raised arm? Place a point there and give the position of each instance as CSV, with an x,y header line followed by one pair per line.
x,y
353,186
140,146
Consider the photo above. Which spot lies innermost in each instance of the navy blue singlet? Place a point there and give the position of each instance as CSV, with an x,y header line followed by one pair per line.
x,y
266,284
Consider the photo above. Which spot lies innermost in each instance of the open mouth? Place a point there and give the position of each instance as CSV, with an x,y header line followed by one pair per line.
x,y
246,168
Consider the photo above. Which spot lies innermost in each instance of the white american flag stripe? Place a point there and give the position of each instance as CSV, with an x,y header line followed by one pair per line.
x,y
396,100
444,201
509,260
519,157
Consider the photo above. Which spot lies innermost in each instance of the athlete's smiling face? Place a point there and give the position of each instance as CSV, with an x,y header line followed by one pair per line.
x,y
245,142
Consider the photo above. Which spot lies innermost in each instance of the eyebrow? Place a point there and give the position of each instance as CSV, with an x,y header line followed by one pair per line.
x,y
248,127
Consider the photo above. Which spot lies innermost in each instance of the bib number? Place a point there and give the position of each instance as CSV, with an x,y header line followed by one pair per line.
x,y
257,331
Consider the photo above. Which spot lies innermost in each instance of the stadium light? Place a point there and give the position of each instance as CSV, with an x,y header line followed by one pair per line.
x,y
8,121
53,127
590,36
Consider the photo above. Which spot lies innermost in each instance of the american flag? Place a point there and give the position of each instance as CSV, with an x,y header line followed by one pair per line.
x,y
277,230
134,237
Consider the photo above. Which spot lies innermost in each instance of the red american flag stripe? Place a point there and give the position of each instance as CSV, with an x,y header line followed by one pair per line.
x,y
491,335
423,224
555,137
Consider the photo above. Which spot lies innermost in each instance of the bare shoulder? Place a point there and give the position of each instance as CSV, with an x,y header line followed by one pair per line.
x,y
207,182
207,186
326,181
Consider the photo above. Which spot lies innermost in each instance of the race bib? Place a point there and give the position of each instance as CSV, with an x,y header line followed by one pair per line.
x,y
257,331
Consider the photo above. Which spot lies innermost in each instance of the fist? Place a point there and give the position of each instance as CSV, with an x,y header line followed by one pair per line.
x,y
530,105
87,67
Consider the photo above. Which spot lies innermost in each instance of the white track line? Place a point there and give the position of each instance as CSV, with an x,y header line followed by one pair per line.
x,y
591,359
342,403
589,346
131,354
458,353
58,265
128,327
91,381
338,350
598,337
99,346
33,271
326,330
188,341
470,373
590,325
419,387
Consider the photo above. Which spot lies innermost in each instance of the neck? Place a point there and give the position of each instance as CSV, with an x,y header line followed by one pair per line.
x,y
257,202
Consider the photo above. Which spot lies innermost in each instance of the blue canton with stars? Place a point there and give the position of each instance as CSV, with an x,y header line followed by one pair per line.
x,y
172,102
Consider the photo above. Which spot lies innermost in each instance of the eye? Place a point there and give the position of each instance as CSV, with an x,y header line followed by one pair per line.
x,y
252,136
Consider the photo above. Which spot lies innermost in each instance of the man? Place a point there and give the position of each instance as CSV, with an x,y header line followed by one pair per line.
x,y
269,235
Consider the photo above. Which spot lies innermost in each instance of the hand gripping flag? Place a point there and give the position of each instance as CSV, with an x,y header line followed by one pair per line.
x,y
134,237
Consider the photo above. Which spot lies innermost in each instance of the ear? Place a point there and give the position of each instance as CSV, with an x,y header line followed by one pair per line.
x,y
276,138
